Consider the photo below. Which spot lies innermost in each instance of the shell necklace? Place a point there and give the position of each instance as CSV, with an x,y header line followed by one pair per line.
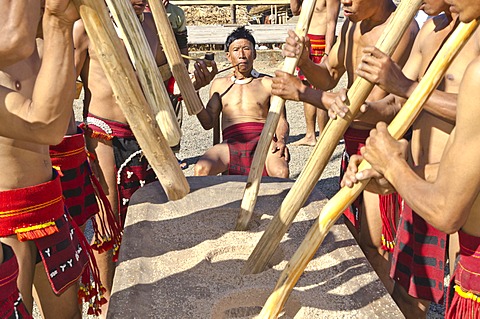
x,y
254,74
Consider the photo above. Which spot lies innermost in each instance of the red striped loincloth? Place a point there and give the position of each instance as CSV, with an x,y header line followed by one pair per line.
x,y
418,260
242,140
317,51
81,190
464,289
70,158
38,213
11,303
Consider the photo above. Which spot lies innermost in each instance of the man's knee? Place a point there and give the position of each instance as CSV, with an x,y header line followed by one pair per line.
x,y
201,169
280,171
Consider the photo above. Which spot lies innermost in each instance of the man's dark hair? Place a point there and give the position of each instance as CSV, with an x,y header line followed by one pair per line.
x,y
239,33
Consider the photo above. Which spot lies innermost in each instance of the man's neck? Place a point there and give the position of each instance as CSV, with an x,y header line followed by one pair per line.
x,y
384,10
242,75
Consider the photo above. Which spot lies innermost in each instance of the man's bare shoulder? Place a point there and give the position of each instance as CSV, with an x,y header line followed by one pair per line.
x,y
266,80
221,83
434,24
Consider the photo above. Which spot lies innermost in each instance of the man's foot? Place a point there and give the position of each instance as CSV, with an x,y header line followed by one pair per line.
x,y
183,164
306,141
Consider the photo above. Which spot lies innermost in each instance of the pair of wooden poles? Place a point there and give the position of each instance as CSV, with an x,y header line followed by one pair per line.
x,y
147,109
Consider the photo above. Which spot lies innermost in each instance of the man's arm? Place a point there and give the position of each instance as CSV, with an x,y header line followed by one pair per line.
x,y
80,43
210,114
333,9
290,87
44,118
18,26
325,75
296,7
447,202
381,70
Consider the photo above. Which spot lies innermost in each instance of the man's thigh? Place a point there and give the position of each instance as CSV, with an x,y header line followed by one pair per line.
x,y
276,166
216,159
371,221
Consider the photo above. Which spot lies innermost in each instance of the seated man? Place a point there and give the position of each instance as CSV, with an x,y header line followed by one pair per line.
x,y
244,100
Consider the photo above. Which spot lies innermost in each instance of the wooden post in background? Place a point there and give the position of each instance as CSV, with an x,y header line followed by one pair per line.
x,y
192,101
121,76
144,63
277,103
345,197
325,146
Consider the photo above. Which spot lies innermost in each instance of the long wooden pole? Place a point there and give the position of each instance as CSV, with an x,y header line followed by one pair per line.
x,y
192,101
121,76
345,197
325,146
144,63
253,182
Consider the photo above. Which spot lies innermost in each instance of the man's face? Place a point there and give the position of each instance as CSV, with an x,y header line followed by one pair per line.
x,y
467,10
358,10
138,6
434,7
243,53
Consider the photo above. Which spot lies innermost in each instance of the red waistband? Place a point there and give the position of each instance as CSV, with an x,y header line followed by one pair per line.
x,y
30,212
316,37
242,128
467,271
118,129
70,153
317,44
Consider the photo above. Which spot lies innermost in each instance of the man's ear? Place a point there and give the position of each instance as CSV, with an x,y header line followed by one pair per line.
x,y
229,58
254,54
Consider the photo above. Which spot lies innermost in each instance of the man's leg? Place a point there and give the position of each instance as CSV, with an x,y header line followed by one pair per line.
x,y
453,251
55,306
322,120
411,307
26,256
310,117
276,166
104,170
215,161
370,239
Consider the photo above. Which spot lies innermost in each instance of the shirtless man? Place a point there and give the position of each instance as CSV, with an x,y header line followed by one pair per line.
x,y
35,113
430,134
365,22
244,100
321,34
447,197
118,160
